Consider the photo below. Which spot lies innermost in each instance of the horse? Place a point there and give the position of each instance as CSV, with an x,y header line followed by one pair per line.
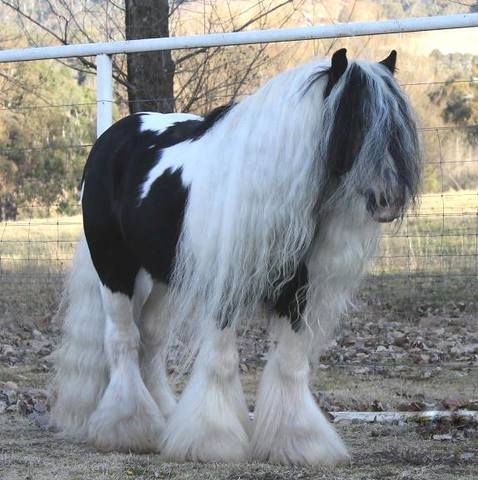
x,y
196,226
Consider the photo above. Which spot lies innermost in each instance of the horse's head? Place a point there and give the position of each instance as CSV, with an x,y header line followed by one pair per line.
x,y
371,144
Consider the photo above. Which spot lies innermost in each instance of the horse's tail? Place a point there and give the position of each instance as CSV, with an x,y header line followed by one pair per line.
x,y
81,372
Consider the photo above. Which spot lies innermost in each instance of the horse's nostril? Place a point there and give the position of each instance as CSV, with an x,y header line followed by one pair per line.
x,y
383,200
371,201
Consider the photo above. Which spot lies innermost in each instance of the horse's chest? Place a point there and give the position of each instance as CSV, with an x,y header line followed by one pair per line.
x,y
342,249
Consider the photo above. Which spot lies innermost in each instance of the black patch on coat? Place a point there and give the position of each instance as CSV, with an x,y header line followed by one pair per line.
x,y
292,297
390,62
399,147
337,68
122,233
349,124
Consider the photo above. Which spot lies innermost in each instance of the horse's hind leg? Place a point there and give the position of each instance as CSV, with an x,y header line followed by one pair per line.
x,y
211,421
289,428
154,330
127,418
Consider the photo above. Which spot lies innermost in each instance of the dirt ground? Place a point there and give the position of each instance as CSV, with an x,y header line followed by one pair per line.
x,y
393,355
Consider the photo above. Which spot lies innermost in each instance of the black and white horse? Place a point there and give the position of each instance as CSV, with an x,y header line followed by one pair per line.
x,y
197,225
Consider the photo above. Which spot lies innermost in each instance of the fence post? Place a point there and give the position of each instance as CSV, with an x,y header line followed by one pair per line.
x,y
104,93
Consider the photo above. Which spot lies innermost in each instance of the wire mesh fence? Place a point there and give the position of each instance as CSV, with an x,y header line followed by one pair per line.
x,y
435,246
426,264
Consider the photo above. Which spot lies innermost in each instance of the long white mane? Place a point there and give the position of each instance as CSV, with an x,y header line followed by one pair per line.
x,y
250,213
255,189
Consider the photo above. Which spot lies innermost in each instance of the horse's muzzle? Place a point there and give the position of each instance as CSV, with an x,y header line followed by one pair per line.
x,y
381,209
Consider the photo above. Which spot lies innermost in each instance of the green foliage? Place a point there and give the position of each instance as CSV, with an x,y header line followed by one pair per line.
x,y
41,159
458,96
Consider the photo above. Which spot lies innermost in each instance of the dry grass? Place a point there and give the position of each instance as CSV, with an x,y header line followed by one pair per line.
x,y
439,243
46,242
379,453
439,238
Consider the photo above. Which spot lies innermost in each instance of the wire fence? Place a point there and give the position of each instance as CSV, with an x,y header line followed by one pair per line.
x,y
437,241
435,248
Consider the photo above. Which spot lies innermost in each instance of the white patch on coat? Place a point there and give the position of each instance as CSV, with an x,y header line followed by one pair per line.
x,y
172,157
346,241
81,373
159,122
81,192
154,325
143,286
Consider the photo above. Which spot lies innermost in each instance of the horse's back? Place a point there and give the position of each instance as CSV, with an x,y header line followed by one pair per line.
x,y
133,142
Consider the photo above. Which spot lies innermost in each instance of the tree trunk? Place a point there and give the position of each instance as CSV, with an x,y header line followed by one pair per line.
x,y
151,74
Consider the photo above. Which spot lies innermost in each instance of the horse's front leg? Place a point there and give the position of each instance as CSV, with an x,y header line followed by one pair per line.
x,y
289,428
211,421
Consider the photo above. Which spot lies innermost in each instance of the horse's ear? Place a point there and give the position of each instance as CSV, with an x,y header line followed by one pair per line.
x,y
390,61
337,68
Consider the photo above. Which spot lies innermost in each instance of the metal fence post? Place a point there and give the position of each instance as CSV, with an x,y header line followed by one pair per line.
x,y
104,93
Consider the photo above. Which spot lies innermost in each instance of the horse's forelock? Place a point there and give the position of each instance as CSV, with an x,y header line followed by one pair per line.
x,y
344,120
366,115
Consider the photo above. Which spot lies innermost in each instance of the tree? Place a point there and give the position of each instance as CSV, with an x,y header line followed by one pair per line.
x,y
40,157
42,150
458,96
150,75
157,75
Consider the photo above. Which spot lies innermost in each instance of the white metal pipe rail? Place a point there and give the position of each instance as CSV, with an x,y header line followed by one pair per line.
x,y
104,50
249,37
104,93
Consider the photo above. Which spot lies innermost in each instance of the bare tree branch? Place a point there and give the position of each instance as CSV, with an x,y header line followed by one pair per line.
x,y
239,29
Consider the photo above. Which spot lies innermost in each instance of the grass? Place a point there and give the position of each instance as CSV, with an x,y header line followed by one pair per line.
x,y
440,237
395,390
44,241
378,453
34,255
